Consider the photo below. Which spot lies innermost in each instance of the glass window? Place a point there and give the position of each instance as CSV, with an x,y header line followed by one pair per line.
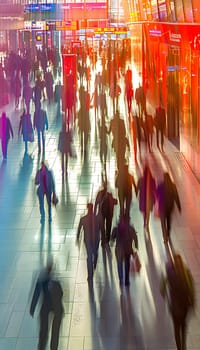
x,y
171,11
179,11
196,10
162,10
154,7
188,10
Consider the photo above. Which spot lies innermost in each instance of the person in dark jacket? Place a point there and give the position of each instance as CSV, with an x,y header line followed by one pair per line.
x,y
50,292
26,128
46,187
179,290
40,123
65,147
124,234
167,197
105,203
91,225
124,183
146,191
6,131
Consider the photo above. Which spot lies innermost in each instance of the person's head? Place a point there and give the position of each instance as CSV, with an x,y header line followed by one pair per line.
x,y
117,115
3,115
178,262
44,165
90,207
126,168
147,170
167,178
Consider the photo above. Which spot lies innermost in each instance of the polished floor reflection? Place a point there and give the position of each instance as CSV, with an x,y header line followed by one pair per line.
x,y
102,316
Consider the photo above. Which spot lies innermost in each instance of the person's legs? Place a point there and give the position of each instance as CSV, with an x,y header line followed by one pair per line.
x,y
164,229
39,142
128,205
108,227
66,163
4,147
119,266
95,254
48,196
43,141
89,262
168,223
177,332
157,137
127,269
147,219
26,146
55,331
184,333
41,206
62,162
43,333
162,139
103,231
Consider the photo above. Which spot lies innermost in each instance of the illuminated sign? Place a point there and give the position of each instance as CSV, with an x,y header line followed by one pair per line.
x,y
175,37
85,10
84,6
31,25
66,25
110,30
155,32
30,8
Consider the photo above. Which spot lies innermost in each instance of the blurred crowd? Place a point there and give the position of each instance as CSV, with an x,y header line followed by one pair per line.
x,y
82,99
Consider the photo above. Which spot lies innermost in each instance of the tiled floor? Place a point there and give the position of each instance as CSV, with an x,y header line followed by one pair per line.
x,y
105,317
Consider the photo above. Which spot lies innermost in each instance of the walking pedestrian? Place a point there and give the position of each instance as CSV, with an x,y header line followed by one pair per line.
x,y
40,123
65,147
124,182
124,234
104,204
46,187
6,131
26,128
179,290
51,293
91,225
146,191
167,197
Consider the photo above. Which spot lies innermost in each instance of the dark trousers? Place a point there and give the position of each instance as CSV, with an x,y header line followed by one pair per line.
x,y
64,162
125,204
4,147
107,224
41,204
160,135
123,262
44,325
180,331
55,330
166,225
40,135
92,256
43,333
